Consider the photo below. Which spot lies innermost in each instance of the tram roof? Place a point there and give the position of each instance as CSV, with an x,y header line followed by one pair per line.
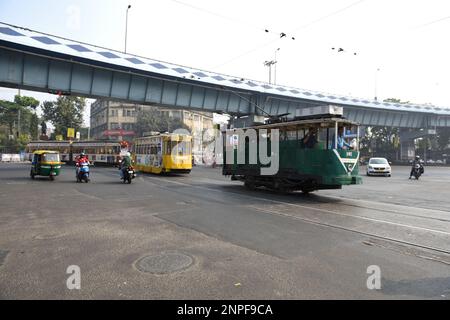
x,y
323,122
45,152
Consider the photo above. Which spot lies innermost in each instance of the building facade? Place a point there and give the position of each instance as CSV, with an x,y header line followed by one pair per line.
x,y
111,120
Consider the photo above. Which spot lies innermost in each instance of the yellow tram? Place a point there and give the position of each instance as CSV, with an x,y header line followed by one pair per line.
x,y
163,153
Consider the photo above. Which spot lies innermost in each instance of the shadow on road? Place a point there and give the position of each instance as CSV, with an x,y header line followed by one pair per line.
x,y
426,288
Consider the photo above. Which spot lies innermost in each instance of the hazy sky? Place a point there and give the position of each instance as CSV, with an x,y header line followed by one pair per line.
x,y
407,40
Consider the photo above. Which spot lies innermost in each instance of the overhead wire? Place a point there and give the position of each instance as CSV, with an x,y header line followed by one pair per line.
x,y
293,31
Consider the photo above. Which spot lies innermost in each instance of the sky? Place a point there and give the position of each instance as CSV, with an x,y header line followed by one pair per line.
x,y
402,48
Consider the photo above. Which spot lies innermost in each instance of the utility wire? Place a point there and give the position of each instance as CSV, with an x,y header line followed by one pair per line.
x,y
433,22
296,29
328,15
224,17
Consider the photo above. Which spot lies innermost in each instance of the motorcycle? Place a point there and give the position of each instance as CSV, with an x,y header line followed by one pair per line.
x,y
83,172
128,175
418,170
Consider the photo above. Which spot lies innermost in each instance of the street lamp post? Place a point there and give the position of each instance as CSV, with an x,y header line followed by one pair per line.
x,y
376,83
126,28
275,68
269,64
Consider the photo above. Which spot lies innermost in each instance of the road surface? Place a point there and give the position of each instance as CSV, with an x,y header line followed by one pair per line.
x,y
241,244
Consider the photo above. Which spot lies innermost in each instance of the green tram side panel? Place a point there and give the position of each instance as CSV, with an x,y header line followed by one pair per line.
x,y
318,161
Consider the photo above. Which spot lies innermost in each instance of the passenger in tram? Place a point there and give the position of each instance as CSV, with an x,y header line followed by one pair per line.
x,y
310,140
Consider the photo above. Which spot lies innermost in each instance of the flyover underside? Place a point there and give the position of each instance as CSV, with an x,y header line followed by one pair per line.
x,y
47,74
37,72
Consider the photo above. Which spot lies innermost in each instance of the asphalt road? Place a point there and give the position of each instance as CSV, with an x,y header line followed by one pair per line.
x,y
243,244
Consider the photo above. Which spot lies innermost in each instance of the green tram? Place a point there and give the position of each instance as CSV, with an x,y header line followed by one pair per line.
x,y
301,165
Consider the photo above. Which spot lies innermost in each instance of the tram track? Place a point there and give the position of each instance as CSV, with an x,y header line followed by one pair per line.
x,y
327,210
315,222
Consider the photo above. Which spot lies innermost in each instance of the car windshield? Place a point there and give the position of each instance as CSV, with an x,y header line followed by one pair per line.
x,y
51,157
378,161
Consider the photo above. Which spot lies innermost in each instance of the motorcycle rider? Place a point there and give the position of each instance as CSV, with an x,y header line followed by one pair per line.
x,y
125,163
414,163
79,160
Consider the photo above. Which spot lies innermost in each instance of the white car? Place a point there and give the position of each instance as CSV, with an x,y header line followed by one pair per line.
x,y
378,166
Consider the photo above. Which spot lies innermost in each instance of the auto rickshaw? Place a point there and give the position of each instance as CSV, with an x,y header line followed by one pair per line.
x,y
45,163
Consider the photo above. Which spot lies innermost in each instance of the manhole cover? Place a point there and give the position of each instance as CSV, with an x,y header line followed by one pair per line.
x,y
164,263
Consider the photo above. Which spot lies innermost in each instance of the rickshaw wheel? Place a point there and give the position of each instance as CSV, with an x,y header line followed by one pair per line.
x,y
31,174
52,178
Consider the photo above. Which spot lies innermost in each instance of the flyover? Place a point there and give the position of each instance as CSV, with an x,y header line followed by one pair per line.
x,y
41,62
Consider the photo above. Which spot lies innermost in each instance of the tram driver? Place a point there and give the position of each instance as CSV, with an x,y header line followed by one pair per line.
x,y
341,143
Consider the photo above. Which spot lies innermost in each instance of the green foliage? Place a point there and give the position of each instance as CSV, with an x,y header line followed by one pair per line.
x,y
21,112
25,101
151,119
394,100
9,116
381,141
84,133
443,138
66,112
34,126
43,128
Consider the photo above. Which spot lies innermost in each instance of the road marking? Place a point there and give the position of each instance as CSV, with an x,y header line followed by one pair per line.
x,y
312,208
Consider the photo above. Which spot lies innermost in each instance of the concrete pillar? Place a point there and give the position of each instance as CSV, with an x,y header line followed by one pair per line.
x,y
407,146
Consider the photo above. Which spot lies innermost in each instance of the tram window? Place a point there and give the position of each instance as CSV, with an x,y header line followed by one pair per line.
x,y
300,134
291,135
188,147
182,148
167,147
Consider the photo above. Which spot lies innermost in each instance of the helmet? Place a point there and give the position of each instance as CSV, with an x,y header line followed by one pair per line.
x,y
128,154
82,154
417,157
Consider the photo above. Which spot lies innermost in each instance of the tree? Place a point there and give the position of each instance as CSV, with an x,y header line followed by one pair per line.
x,y
11,113
395,100
443,138
381,141
66,112
34,126
43,128
151,119
21,121
25,101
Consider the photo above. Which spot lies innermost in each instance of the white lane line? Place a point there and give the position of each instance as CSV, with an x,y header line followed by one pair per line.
x,y
316,209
